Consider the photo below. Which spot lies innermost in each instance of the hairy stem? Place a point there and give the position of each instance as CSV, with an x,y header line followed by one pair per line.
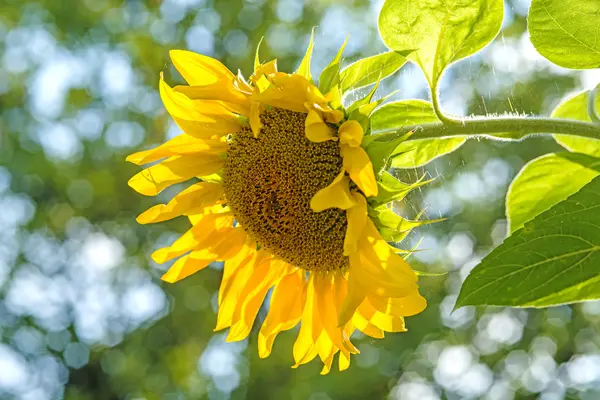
x,y
517,127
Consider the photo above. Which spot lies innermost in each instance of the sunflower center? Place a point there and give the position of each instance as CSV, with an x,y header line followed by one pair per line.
x,y
269,182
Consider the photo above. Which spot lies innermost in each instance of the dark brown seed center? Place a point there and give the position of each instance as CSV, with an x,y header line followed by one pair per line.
x,y
269,182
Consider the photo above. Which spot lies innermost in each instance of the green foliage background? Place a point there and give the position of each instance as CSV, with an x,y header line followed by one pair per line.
x,y
83,314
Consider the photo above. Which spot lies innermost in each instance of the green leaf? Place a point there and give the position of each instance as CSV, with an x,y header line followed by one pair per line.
x,y
369,70
442,31
566,31
546,181
401,113
553,260
577,108
412,153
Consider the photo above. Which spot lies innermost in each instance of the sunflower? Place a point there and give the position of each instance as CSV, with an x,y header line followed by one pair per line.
x,y
285,193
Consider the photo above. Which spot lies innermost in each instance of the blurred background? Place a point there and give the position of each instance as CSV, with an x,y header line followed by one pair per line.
x,y
83,314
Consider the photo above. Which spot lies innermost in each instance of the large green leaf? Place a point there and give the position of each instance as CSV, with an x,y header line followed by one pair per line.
x,y
566,31
577,108
554,259
440,31
367,71
546,181
412,153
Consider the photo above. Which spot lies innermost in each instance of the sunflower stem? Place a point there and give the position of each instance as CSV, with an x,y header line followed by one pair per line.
x,y
518,127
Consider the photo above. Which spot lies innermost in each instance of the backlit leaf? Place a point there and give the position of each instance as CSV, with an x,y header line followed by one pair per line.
x,y
372,69
412,153
440,31
576,108
552,260
546,181
566,31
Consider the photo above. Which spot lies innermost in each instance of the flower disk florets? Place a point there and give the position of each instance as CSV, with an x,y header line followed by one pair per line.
x,y
269,182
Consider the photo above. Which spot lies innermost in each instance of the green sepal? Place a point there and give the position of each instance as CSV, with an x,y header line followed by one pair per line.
x,y
382,151
329,80
304,67
257,55
364,101
363,112
390,189
393,227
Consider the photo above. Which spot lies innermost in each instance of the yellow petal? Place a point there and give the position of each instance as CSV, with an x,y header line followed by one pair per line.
x,y
198,69
375,248
334,116
316,129
366,327
359,167
199,118
388,323
264,276
351,133
356,295
285,311
179,145
357,218
255,123
267,68
325,304
305,348
412,304
336,195
236,272
189,201
154,179
222,91
209,225
289,91
222,247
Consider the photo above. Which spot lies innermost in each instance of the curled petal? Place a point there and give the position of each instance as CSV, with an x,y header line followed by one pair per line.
x,y
351,133
336,195
316,129
358,165
357,218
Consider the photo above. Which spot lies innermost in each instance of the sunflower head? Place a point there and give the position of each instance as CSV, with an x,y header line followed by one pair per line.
x,y
284,191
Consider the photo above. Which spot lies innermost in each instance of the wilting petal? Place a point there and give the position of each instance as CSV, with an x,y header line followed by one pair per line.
x,y
255,123
190,201
316,129
336,195
357,218
358,165
151,181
